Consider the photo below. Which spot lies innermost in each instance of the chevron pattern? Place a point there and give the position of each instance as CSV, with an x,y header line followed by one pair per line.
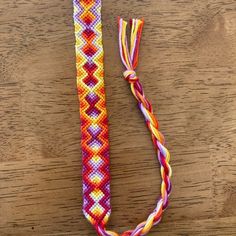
x,y
94,123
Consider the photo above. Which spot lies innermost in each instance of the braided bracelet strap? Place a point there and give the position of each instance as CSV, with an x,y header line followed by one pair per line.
x,y
130,61
94,124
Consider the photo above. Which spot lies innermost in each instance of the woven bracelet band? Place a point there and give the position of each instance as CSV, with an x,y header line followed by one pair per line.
x,y
93,114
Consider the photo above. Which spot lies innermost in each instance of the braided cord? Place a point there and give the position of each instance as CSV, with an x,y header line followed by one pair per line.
x,y
130,61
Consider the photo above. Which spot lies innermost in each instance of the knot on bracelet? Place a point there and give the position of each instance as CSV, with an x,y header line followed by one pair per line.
x,y
130,76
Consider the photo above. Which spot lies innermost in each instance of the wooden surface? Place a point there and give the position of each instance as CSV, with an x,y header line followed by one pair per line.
x,y
188,69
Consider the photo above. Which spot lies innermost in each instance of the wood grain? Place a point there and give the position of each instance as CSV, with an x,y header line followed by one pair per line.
x,y
188,69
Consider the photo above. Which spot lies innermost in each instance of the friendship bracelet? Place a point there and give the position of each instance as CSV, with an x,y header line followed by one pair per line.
x,y
94,124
